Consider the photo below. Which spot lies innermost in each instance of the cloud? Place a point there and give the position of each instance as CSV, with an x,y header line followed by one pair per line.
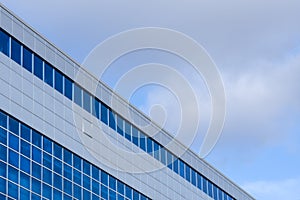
x,y
274,190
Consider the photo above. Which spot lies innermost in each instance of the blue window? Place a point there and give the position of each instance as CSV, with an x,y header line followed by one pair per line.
x,y
120,186
86,101
104,114
36,170
120,125
47,176
104,178
36,186
13,158
57,151
24,194
135,194
215,192
77,95
57,166
194,177
77,192
68,156
77,162
95,187
67,172
104,192
127,131
3,120
13,190
47,160
225,196
76,176
188,173
3,185
175,166
25,132
86,167
25,164
47,191
4,43
3,169
143,141
86,194
48,74
163,156
57,194
68,88
58,81
220,194
66,197
112,119
57,180
204,185
95,107
13,174
13,125
36,138
112,195
95,173
67,187
36,154
3,153
149,145
86,182
169,160
14,142
25,148
38,67
27,59
181,167
16,51
24,180
112,182
47,145
128,191
156,150
209,188
135,136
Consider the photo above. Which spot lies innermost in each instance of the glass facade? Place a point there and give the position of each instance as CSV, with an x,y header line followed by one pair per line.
x,y
63,84
33,166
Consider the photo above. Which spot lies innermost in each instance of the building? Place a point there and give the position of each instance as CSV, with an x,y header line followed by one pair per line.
x,y
63,138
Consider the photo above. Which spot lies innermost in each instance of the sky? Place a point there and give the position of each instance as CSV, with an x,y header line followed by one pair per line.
x,y
256,47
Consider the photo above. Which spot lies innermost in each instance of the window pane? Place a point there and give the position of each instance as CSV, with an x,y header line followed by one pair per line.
x,y
86,101
95,173
104,178
4,43
13,174
188,173
127,131
57,180
135,136
14,125
104,114
169,160
163,156
76,176
24,180
13,142
38,67
156,150
16,51
77,95
58,81
181,168
86,182
48,74
27,59
57,166
25,148
25,132
86,167
120,186
36,138
3,169
77,162
67,172
112,120
68,156
68,88
47,145
3,120
57,151
175,165
47,160
36,170
143,141
194,177
95,107
120,125
3,153
13,190
149,145
112,182
13,158
209,188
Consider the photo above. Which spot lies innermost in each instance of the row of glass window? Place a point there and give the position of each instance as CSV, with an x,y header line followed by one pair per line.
x,y
26,155
105,114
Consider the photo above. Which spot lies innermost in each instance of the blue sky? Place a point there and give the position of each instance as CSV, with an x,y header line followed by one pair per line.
x,y
256,46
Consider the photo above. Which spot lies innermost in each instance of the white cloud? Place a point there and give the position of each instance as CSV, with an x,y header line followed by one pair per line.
x,y
274,190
